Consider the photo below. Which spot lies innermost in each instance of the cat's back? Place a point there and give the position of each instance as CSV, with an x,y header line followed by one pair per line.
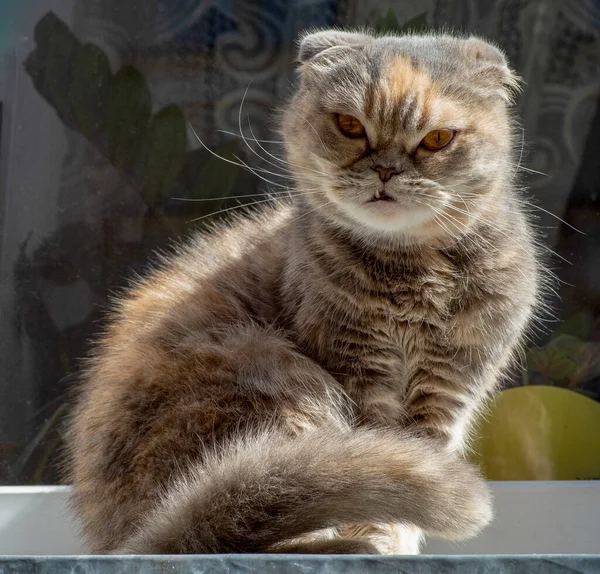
x,y
215,281
229,272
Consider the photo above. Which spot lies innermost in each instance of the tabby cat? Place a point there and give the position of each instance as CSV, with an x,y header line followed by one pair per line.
x,y
304,378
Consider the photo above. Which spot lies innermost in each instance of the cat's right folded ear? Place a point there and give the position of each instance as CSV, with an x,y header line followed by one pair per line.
x,y
314,43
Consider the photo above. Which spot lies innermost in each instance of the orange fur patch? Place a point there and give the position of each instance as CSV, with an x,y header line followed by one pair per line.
x,y
404,77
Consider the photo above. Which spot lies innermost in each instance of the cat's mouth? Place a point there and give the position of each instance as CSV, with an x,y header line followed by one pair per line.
x,y
381,197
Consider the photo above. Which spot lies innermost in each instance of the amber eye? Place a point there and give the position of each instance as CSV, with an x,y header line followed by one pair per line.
x,y
350,126
437,139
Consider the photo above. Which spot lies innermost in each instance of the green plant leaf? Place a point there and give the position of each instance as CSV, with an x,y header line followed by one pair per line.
x,y
565,360
416,24
90,76
127,114
163,153
579,325
50,64
389,23
204,176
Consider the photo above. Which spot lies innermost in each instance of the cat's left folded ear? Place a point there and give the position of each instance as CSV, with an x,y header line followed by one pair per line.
x,y
490,68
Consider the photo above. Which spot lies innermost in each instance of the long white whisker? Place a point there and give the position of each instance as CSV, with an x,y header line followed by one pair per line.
x,y
552,252
555,216
252,170
244,136
437,212
311,211
230,209
449,221
482,239
194,200
528,169
211,151
240,164
459,225
499,230
520,154
245,139
263,170
290,191
280,159
239,136
522,202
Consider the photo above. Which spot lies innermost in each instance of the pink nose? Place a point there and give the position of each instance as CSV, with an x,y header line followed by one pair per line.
x,y
385,173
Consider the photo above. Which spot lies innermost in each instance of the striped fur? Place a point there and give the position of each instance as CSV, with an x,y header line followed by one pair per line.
x,y
304,379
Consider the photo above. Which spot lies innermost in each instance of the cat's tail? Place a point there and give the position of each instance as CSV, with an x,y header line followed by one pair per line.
x,y
273,488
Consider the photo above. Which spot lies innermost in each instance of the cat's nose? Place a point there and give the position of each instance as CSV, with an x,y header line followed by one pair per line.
x,y
385,173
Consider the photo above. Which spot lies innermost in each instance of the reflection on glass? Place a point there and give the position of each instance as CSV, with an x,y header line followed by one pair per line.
x,y
99,167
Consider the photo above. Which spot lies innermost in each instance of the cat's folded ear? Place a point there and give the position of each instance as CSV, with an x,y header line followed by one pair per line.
x,y
315,43
490,68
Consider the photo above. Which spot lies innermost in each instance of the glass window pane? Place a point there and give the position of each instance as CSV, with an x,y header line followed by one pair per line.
x,y
99,165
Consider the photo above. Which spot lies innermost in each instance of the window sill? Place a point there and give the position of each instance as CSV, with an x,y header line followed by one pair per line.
x,y
531,518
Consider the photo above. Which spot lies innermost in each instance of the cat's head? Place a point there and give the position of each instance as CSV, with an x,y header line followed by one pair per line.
x,y
401,136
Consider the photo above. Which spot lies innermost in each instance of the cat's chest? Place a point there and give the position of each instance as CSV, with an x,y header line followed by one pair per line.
x,y
372,319
378,334
386,344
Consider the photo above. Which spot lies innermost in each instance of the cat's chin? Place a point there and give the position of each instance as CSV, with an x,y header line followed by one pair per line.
x,y
391,216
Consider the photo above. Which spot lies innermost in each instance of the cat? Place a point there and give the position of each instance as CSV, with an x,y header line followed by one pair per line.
x,y
304,378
